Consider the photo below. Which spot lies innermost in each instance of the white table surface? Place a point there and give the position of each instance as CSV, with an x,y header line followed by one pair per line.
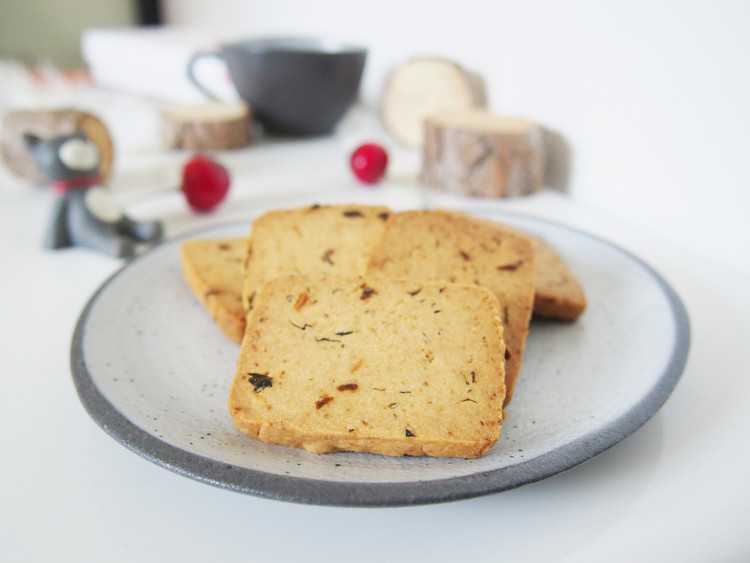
x,y
676,490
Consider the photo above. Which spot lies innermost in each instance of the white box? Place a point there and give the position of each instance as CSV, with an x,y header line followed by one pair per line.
x,y
152,61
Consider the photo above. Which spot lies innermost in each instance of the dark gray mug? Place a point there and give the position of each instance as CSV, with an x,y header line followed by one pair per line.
x,y
294,86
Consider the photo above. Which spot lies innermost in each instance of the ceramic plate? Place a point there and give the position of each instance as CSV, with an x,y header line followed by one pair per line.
x,y
154,372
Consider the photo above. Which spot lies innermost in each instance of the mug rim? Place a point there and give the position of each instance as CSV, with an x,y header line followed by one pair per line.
x,y
296,45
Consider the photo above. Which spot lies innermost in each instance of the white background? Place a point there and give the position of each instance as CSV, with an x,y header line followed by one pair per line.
x,y
649,97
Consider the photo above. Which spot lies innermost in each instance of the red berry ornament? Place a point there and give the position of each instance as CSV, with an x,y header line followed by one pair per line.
x,y
205,183
369,162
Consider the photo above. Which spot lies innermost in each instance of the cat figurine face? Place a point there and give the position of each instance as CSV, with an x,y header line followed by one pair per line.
x,y
64,158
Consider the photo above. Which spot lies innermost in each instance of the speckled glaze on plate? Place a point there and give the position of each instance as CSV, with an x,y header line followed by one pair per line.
x,y
154,371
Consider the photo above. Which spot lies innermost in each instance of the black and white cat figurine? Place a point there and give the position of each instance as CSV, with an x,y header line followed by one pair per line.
x,y
85,215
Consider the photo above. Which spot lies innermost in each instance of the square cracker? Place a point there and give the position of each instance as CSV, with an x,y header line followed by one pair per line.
x,y
380,365
443,245
557,293
331,240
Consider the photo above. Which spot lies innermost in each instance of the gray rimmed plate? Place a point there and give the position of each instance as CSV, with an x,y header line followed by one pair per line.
x,y
154,371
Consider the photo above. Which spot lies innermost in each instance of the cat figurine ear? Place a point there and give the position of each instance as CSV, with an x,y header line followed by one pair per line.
x,y
30,140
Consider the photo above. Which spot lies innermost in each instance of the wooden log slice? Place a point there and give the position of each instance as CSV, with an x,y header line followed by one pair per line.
x,y
47,124
422,87
474,152
209,126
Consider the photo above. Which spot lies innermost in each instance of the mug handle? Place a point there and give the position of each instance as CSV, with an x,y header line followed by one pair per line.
x,y
193,77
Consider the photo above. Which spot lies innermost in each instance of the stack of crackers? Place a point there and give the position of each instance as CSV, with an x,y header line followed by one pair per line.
x,y
366,330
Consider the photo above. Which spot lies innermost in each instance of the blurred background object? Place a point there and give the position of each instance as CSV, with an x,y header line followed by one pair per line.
x,y
644,107
37,32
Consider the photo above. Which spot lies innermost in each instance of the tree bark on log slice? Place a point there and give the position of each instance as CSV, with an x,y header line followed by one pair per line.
x,y
422,87
210,126
47,124
474,152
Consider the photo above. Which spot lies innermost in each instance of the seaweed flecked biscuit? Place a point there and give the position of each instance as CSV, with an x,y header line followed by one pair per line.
x,y
557,294
320,239
443,245
367,364
213,270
